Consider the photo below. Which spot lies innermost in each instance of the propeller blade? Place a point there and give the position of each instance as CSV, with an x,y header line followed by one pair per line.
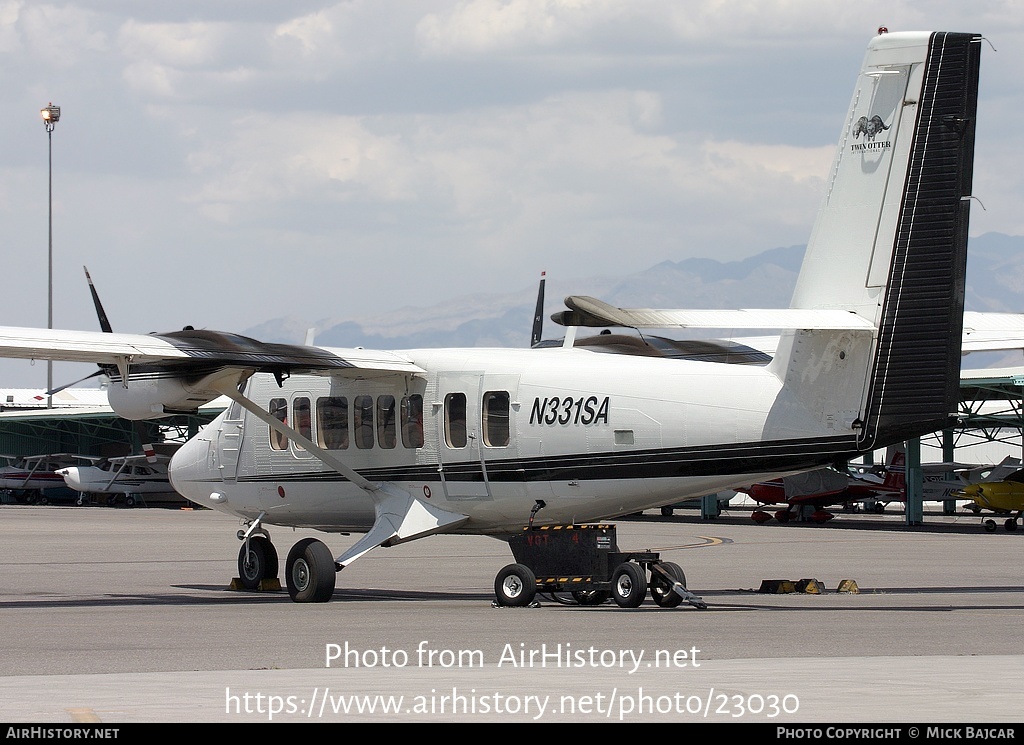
x,y
104,323
80,380
538,315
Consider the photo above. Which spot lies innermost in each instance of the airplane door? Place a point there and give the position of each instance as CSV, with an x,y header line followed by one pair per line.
x,y
229,442
475,426
458,444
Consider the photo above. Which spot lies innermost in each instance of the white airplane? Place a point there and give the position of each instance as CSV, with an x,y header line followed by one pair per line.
x,y
30,476
402,445
130,475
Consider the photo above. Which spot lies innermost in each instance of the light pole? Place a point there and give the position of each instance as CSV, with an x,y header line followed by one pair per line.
x,y
51,115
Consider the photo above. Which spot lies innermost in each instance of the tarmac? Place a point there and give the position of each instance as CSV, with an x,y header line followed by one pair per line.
x,y
126,616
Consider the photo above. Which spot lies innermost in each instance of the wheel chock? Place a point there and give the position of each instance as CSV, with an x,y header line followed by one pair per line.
x,y
809,586
779,586
848,585
776,586
266,585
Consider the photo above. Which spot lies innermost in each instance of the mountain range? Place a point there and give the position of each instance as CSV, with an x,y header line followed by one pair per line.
x,y
995,282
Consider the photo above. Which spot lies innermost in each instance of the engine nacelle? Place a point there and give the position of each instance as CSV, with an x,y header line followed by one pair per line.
x,y
154,397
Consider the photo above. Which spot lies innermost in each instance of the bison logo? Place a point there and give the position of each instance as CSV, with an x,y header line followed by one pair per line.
x,y
868,127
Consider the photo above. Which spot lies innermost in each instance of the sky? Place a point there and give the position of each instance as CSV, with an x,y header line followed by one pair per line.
x,y
222,163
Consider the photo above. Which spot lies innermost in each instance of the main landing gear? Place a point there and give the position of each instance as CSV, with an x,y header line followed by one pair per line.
x,y
1010,523
584,562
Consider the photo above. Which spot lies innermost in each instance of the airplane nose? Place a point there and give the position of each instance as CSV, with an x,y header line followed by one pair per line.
x,y
70,476
189,470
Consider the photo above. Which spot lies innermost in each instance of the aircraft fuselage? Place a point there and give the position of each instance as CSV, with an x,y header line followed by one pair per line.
x,y
488,433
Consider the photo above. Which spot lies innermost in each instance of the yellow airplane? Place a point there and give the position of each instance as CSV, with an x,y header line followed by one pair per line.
x,y
1004,497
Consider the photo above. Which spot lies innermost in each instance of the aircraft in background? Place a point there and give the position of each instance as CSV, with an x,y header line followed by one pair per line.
x,y
1002,497
133,476
31,479
873,486
402,445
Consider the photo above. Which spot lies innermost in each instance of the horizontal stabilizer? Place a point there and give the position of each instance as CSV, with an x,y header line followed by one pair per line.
x,y
987,332
588,311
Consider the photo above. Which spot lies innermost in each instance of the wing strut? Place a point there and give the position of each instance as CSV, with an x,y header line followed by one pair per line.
x,y
398,515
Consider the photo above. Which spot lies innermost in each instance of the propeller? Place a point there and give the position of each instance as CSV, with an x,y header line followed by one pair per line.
x,y
538,315
104,323
104,326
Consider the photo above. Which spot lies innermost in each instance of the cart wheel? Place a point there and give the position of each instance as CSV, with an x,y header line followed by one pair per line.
x,y
661,591
629,585
515,586
590,597
990,525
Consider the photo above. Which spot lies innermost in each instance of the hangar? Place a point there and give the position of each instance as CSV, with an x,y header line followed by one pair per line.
x,y
79,421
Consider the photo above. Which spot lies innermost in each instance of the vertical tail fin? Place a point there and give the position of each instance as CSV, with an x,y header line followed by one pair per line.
x,y
890,240
895,468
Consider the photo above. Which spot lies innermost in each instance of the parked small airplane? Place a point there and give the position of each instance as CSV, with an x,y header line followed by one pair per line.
x,y
31,478
402,445
133,476
874,486
1002,497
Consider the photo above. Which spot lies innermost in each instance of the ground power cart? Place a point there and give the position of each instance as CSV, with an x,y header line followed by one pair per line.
x,y
584,562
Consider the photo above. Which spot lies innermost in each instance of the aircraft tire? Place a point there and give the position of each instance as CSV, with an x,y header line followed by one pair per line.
x,y
261,562
990,525
590,597
129,500
310,572
1010,524
879,508
515,586
661,592
629,585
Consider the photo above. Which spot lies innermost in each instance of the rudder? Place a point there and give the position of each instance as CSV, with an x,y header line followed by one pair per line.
x,y
890,240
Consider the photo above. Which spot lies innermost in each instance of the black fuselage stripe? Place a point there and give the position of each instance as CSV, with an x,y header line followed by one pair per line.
x,y
662,463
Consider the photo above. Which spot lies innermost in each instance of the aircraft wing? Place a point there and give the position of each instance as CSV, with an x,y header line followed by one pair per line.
x,y
193,348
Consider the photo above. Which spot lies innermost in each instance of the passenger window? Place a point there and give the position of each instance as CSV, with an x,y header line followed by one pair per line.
x,y
495,418
332,422
455,420
412,421
303,419
386,421
279,410
362,425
